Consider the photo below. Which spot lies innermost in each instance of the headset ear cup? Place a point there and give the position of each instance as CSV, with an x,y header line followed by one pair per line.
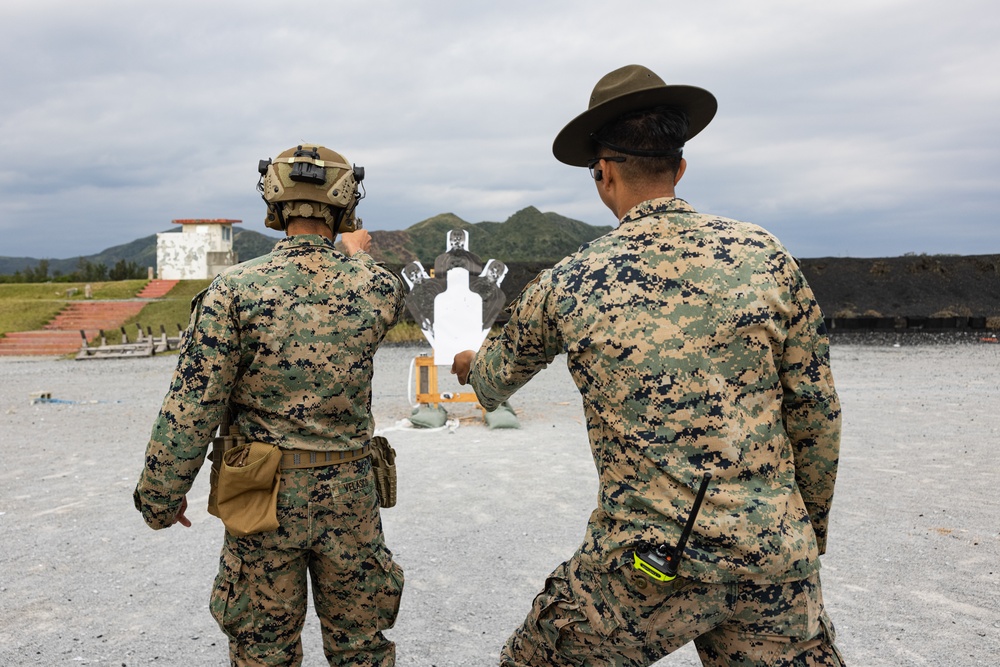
x,y
274,218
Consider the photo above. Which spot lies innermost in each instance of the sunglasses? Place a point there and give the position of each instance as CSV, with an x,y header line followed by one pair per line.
x,y
597,174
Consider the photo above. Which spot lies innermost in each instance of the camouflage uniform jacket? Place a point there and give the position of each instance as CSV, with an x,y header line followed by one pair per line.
x,y
697,346
288,339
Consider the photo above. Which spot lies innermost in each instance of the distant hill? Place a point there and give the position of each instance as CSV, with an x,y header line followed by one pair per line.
x,y
527,236
529,241
247,244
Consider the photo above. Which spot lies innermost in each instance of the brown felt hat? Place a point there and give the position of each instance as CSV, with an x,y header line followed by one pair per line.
x,y
630,88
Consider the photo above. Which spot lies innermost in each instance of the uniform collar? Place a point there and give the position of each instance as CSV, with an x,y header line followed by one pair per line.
x,y
300,240
657,206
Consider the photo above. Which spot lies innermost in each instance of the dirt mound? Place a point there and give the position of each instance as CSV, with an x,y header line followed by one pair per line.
x,y
910,286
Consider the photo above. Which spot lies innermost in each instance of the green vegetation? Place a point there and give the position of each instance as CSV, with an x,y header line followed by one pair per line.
x,y
405,332
28,306
170,311
527,236
26,315
122,289
85,271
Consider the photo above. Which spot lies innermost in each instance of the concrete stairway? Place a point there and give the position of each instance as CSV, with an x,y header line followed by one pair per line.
x,y
45,343
62,334
92,316
154,289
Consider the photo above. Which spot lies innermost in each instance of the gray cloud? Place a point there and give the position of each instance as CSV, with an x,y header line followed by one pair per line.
x,y
862,128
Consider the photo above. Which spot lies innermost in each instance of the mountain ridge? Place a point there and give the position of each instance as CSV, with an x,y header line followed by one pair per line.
x,y
526,236
530,241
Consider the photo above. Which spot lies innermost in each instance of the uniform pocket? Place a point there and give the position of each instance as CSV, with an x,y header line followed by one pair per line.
x,y
389,589
783,613
230,602
636,602
570,617
344,517
355,503
829,637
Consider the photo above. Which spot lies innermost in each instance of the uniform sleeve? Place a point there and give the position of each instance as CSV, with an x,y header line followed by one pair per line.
x,y
528,343
199,393
390,287
397,298
810,407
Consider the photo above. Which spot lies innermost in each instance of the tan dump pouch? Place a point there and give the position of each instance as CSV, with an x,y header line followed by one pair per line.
x,y
384,467
247,494
213,487
220,445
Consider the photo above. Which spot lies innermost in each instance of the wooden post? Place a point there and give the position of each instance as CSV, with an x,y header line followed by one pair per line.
x,y
427,385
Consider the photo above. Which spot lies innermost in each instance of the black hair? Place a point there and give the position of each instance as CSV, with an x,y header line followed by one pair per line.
x,y
658,130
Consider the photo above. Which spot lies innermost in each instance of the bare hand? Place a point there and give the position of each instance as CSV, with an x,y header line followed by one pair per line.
x,y
356,241
462,365
180,518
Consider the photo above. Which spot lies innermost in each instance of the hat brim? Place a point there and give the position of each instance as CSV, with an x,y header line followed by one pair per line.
x,y
574,145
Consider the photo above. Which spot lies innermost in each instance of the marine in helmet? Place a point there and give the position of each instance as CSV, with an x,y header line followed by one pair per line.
x,y
284,345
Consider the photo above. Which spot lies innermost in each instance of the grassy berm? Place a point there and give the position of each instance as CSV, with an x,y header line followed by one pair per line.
x,y
29,306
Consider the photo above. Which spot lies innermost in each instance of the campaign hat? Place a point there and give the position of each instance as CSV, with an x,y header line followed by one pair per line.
x,y
627,89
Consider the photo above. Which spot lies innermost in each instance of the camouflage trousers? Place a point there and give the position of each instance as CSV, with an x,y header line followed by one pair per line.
x,y
329,530
619,617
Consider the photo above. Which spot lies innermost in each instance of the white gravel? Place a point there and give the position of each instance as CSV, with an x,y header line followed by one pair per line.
x,y
912,576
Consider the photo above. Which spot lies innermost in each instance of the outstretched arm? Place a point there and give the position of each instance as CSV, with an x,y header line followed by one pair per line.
x,y
528,343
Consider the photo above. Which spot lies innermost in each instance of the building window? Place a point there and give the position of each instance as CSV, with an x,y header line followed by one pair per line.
x,y
227,233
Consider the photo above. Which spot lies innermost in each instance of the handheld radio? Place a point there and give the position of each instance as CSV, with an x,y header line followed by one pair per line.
x,y
660,562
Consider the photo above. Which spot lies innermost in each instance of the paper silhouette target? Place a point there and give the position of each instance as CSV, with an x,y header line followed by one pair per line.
x,y
455,307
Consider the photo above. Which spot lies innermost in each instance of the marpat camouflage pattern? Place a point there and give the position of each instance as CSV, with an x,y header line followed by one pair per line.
x,y
732,624
287,341
697,347
332,510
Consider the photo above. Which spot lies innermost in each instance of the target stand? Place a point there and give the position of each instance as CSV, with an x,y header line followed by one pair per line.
x,y
426,385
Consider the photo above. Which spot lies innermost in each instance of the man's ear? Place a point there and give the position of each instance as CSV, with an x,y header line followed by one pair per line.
x,y
608,179
606,188
680,171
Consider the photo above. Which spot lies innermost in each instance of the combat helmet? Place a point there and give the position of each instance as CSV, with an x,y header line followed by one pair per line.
x,y
311,181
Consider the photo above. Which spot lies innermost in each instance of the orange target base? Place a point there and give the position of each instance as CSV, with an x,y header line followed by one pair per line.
x,y
426,379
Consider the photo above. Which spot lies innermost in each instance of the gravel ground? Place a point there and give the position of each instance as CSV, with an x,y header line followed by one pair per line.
x,y
912,576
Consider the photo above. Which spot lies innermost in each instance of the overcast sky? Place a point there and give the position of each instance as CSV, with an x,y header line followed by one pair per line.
x,y
851,128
